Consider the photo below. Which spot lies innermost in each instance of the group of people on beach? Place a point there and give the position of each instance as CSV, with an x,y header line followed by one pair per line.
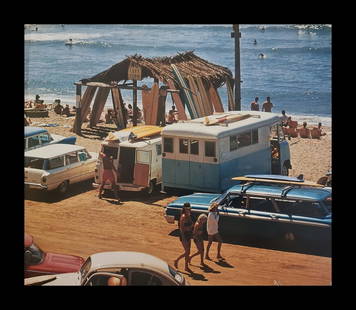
x,y
196,231
289,126
290,129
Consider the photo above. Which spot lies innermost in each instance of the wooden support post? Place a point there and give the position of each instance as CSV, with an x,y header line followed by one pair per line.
x,y
161,112
237,36
116,99
134,104
77,121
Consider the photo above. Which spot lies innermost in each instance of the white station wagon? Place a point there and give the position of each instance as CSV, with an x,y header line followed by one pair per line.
x,y
56,166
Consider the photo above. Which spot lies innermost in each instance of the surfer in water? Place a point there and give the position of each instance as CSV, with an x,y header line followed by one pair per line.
x,y
261,55
69,42
255,42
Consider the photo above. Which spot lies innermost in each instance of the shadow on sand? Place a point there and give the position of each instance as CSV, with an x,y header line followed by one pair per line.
x,y
278,245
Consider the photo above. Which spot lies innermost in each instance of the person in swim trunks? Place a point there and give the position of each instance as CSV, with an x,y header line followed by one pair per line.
x,y
108,175
186,233
198,232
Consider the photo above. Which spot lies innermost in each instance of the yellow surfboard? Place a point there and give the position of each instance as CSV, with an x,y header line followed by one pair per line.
x,y
143,131
301,183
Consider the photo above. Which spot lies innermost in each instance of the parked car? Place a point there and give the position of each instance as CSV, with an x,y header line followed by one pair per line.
x,y
36,137
138,269
268,206
56,166
39,262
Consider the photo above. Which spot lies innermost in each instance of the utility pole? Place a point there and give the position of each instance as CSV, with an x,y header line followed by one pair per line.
x,y
237,35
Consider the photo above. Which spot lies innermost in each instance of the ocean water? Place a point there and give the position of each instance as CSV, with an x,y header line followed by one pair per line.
x,y
295,73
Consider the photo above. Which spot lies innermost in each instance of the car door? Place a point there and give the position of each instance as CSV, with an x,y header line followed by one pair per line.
x,y
73,168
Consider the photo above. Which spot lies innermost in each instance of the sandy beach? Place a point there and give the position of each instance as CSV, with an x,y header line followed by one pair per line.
x,y
81,224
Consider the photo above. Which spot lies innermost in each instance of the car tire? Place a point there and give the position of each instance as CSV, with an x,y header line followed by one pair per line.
x,y
151,188
63,187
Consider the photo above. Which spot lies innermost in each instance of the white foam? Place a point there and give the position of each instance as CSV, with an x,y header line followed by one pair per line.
x,y
60,36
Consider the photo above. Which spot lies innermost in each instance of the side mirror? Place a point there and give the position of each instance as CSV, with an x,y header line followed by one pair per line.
x,y
28,257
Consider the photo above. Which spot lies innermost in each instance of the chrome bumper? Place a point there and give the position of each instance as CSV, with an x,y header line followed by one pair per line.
x,y
35,185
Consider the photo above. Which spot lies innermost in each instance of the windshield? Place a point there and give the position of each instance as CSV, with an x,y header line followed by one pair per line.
x,y
36,257
85,268
222,198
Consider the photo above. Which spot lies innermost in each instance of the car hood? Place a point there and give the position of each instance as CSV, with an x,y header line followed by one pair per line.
x,y
72,278
59,263
196,199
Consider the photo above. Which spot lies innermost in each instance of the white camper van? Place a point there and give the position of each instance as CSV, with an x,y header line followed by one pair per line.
x,y
137,154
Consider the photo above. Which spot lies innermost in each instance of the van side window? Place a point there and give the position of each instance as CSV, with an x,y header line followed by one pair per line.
x,y
183,146
168,145
33,141
194,147
83,155
56,162
209,149
71,158
255,136
244,139
159,149
233,143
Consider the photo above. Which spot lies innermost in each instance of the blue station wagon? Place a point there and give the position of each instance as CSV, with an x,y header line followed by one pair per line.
x,y
268,207
35,137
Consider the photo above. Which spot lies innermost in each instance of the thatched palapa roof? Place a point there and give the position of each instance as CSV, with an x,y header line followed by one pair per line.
x,y
160,68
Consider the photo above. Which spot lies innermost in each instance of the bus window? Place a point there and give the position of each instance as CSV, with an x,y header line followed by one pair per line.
x,y
244,139
233,143
209,149
168,145
194,147
183,146
255,136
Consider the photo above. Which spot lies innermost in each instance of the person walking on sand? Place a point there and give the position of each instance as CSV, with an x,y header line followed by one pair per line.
x,y
186,232
212,229
254,105
267,105
198,232
108,174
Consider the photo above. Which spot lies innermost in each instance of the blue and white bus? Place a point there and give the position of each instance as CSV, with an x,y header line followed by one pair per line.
x,y
200,156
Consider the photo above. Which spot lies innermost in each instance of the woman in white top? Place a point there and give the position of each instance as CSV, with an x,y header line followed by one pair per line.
x,y
213,231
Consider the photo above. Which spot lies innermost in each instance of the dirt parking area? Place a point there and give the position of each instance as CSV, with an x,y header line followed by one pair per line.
x,y
81,224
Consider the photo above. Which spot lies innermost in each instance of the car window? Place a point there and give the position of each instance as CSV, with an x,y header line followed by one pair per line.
x,y
25,143
301,208
45,138
144,278
33,141
36,163
263,204
83,155
71,158
56,162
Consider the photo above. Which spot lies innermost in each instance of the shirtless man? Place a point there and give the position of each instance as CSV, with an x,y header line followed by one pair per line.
x,y
304,132
267,105
108,174
316,132
254,105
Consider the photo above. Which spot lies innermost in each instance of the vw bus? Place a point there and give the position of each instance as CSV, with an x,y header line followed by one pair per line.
x,y
205,153
137,154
